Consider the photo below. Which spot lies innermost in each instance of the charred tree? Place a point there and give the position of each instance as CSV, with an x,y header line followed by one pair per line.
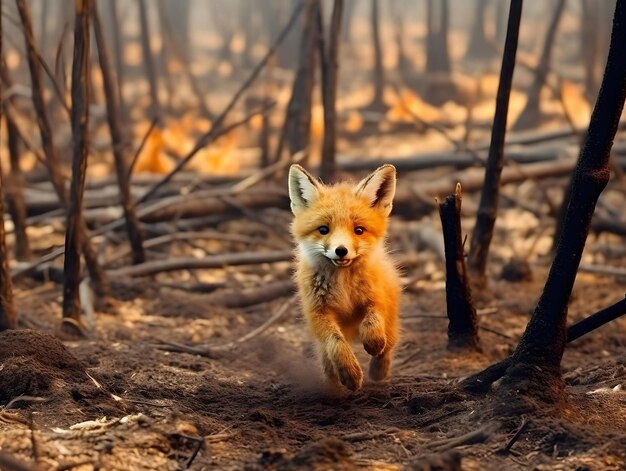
x,y
148,58
52,161
298,120
437,51
531,113
488,208
437,86
462,324
535,366
346,21
8,315
80,121
479,46
589,23
329,60
14,189
178,13
378,102
119,143
118,47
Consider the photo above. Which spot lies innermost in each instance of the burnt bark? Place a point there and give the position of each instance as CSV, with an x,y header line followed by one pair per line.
x,y
589,45
437,50
462,324
329,59
118,47
437,85
532,112
148,58
488,208
378,102
14,189
539,352
120,148
80,121
479,46
298,120
8,314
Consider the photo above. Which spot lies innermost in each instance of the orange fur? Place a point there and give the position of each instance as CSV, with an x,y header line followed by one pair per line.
x,y
357,301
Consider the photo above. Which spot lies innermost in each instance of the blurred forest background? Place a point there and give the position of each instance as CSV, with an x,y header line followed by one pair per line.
x,y
147,290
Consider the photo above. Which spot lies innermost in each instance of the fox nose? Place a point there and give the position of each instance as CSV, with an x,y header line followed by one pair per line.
x,y
341,251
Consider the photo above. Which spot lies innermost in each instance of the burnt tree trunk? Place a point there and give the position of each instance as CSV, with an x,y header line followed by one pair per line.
x,y
119,148
437,86
80,121
148,58
479,46
462,324
14,189
118,47
589,45
535,366
531,114
329,59
8,315
378,102
488,208
298,120
437,51
52,161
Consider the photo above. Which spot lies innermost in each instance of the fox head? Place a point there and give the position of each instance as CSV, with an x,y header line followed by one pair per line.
x,y
342,223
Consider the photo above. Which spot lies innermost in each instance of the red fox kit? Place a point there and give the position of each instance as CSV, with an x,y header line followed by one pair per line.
x,y
348,285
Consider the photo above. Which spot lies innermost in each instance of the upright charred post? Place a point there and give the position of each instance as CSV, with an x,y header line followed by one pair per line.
x,y
462,324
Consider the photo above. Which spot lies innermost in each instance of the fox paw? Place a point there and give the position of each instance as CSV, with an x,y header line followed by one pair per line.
x,y
374,344
350,375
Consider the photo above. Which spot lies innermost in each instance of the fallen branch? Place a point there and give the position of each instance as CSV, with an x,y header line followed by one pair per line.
x,y
189,263
241,298
192,235
476,436
603,270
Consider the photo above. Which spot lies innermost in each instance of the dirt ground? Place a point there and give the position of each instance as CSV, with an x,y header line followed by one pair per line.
x,y
117,400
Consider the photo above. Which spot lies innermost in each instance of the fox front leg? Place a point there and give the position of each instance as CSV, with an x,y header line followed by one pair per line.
x,y
372,332
338,360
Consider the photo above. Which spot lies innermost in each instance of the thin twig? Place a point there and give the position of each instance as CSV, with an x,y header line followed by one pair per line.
x,y
506,448
153,125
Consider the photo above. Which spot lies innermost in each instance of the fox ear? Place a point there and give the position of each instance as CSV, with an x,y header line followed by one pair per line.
x,y
303,189
379,188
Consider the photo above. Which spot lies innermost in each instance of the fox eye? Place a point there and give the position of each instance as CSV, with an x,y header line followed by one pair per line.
x,y
323,230
359,230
